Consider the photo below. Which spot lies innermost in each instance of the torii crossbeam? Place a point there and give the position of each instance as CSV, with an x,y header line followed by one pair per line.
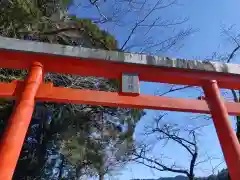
x,y
40,58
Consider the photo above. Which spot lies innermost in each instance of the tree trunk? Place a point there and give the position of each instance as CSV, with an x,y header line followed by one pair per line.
x,y
101,177
190,176
61,168
238,128
229,178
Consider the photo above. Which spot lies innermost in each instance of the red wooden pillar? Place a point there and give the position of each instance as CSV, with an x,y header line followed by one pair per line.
x,y
226,135
14,135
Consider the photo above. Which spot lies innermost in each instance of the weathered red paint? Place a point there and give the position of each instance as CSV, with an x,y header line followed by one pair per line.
x,y
33,90
48,93
111,70
225,132
13,137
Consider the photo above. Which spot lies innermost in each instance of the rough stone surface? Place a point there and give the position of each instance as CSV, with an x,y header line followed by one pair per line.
x,y
130,83
86,53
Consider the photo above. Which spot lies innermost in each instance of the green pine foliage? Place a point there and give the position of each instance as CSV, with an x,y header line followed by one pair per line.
x,y
92,139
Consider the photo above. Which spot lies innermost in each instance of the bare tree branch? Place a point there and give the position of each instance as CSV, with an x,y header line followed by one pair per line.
x,y
232,54
169,132
160,167
172,89
155,7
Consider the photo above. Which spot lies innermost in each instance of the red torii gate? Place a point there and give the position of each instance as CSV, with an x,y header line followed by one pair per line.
x,y
39,58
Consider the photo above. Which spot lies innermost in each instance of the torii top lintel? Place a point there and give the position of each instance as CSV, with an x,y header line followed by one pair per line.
x,y
20,54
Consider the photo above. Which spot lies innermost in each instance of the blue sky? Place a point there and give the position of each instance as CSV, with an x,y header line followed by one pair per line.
x,y
208,18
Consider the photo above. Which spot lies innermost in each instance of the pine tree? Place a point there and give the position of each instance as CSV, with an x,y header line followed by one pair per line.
x,y
64,140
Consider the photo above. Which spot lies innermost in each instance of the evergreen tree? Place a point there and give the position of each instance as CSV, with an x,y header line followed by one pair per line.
x,y
66,141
